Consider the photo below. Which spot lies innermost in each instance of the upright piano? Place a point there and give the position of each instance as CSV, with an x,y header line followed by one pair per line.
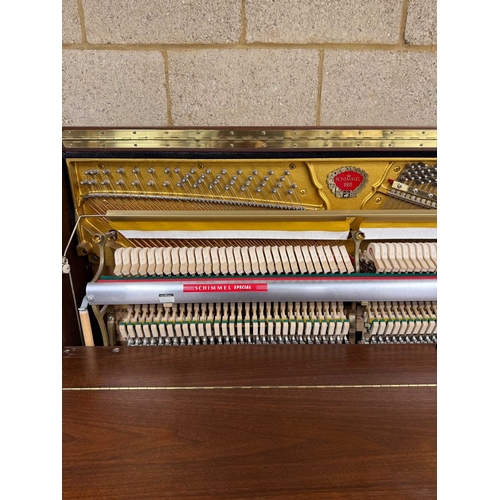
x,y
249,313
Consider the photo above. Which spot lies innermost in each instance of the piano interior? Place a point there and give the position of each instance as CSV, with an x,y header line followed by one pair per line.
x,y
215,241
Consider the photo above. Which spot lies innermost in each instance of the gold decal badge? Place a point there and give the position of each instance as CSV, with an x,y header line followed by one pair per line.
x,y
347,182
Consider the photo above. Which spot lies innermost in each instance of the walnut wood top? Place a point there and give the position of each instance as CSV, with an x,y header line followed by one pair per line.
x,y
249,443
248,365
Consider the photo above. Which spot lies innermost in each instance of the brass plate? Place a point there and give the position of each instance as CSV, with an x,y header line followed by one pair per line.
x,y
198,388
248,138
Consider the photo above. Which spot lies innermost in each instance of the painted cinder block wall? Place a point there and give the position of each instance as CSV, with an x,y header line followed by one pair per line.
x,y
249,62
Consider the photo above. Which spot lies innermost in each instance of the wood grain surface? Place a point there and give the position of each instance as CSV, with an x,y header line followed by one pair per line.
x,y
81,270
248,365
249,443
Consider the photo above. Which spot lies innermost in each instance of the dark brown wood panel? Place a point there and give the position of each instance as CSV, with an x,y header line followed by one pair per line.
x,y
81,272
358,443
249,365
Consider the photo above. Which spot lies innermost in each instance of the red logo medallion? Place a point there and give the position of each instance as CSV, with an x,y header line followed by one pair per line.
x,y
347,182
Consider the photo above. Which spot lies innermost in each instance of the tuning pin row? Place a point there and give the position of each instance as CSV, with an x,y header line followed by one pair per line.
x,y
227,185
420,173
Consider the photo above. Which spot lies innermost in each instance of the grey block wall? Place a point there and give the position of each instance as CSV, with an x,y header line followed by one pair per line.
x,y
249,62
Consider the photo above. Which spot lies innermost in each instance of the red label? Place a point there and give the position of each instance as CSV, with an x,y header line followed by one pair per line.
x,y
226,287
348,180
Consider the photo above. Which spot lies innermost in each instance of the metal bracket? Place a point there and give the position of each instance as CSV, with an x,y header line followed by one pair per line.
x,y
65,266
101,239
357,237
